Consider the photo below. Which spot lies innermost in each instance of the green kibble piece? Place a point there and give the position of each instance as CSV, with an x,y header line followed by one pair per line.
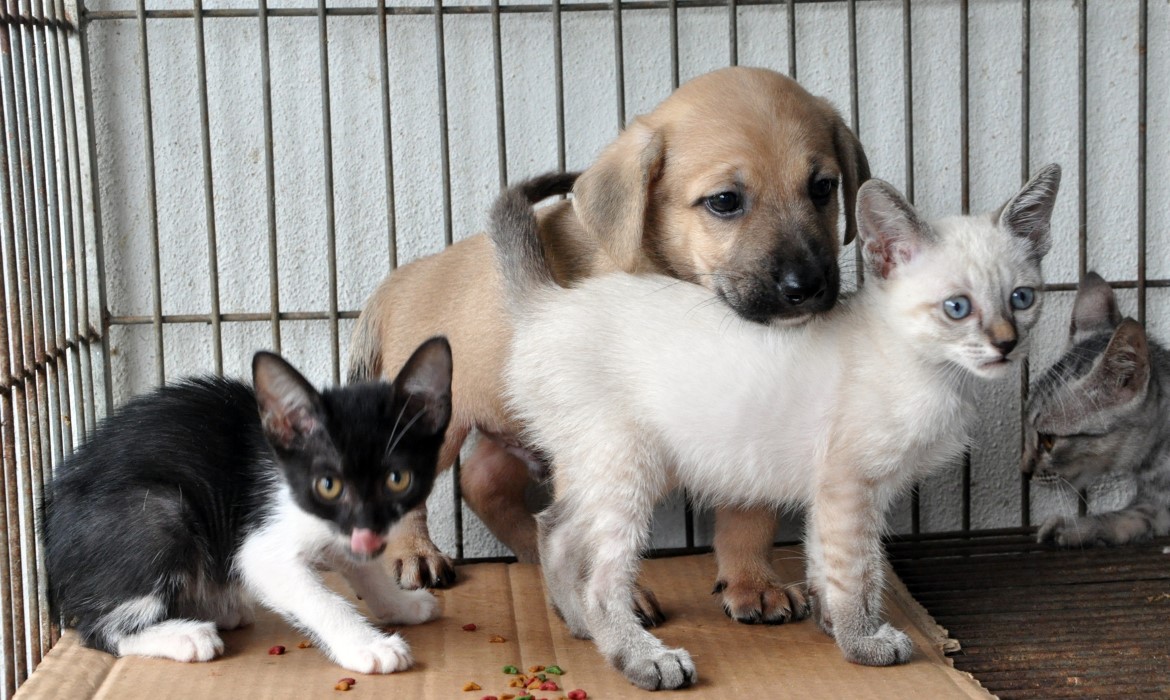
x,y
511,669
542,677
525,697
556,670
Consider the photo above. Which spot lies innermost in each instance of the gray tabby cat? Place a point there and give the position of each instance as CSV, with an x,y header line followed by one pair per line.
x,y
1104,406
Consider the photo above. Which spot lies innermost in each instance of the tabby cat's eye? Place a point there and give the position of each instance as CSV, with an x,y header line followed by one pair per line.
x,y
957,307
1047,442
398,481
1023,298
328,488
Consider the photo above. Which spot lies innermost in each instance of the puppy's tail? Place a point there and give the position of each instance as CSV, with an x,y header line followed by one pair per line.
x,y
516,235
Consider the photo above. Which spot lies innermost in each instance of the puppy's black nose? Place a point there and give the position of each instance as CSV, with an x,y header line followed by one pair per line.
x,y
797,289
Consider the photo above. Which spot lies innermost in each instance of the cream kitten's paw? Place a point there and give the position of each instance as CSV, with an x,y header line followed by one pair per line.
x,y
766,600
384,654
663,669
886,647
408,608
181,640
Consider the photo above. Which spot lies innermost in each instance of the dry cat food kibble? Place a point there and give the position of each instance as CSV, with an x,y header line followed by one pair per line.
x,y
578,694
556,670
496,639
512,670
535,669
276,650
489,697
549,685
469,627
304,645
351,681
471,685
342,686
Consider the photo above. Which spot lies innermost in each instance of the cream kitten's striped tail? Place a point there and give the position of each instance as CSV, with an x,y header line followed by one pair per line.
x,y
516,235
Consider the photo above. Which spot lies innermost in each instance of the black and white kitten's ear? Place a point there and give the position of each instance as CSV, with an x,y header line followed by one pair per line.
x,y
1029,213
890,230
289,405
1095,309
425,380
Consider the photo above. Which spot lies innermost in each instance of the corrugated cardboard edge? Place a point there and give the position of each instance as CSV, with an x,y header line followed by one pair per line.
x,y
68,672
941,642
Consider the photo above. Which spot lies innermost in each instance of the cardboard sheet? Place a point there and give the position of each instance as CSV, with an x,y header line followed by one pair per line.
x,y
734,660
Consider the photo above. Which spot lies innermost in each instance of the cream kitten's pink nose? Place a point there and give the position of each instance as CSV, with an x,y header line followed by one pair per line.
x,y
364,541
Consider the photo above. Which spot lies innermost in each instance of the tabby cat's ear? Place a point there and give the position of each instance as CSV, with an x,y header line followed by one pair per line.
x,y
425,381
890,230
1095,309
289,405
1029,214
1124,369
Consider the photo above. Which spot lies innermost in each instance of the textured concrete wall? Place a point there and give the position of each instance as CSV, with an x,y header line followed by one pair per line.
x,y
237,145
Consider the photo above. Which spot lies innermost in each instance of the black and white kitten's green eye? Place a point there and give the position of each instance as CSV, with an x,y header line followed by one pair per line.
x,y
1023,298
328,488
724,204
398,481
957,307
1047,442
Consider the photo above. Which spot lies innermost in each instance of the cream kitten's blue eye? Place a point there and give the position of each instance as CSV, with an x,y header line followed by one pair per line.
x,y
1023,298
957,307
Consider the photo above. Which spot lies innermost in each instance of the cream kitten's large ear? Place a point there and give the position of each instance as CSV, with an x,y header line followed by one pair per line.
x,y
1029,213
1095,309
289,405
890,229
426,380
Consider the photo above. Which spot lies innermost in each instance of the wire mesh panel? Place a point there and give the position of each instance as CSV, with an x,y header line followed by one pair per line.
x,y
48,385
240,174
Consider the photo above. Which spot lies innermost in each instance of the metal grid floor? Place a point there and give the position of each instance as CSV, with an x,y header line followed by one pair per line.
x,y
1036,622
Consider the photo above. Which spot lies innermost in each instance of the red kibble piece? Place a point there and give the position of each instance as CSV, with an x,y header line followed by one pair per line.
x,y
276,650
469,627
348,680
549,685
578,694
489,697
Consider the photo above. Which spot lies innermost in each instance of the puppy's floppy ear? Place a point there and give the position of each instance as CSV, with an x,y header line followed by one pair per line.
x,y
610,198
890,229
290,407
854,171
425,382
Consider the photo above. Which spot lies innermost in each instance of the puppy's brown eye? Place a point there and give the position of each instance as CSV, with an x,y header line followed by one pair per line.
x,y
1047,442
821,189
725,204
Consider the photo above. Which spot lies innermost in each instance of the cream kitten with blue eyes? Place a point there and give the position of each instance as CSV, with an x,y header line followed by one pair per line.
x,y
634,385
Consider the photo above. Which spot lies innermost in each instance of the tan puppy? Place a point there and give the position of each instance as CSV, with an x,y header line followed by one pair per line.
x,y
732,182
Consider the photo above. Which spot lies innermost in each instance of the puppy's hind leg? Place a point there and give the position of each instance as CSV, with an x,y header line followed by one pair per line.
x,y
493,481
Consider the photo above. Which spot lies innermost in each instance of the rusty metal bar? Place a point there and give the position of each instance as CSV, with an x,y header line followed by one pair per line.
x,y
387,137
208,187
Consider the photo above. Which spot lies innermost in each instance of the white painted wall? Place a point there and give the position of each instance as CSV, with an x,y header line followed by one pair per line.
x,y
361,200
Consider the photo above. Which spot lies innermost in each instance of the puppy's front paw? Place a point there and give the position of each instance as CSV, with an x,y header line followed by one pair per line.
x,y
663,669
768,601
383,654
407,608
423,567
886,647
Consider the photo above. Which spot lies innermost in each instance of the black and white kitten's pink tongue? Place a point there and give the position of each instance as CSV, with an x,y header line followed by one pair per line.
x,y
366,542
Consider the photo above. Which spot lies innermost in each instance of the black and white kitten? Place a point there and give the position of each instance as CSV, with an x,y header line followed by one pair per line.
x,y
1104,406
189,504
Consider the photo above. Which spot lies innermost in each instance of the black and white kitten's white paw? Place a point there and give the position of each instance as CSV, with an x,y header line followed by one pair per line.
x,y
886,647
405,608
661,669
181,640
381,654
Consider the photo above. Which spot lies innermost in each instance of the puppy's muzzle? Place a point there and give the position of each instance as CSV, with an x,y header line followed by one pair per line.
x,y
799,287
